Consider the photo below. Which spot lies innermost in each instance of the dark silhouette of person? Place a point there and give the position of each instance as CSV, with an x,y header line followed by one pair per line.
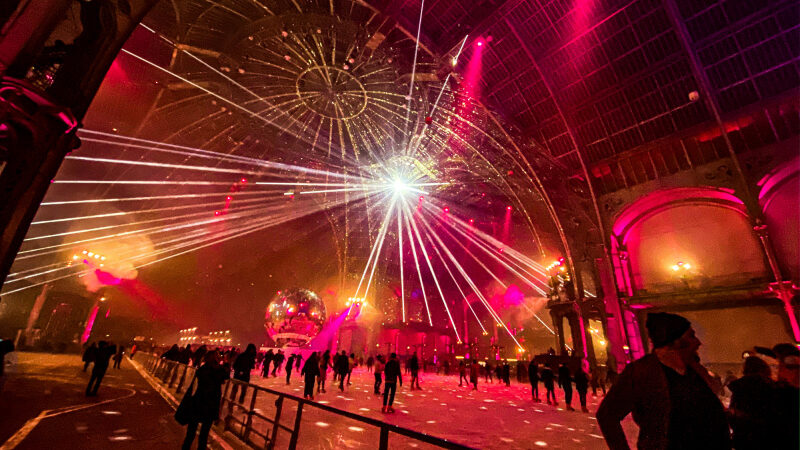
x,y
370,362
206,399
199,354
582,386
118,356
185,355
413,366
310,372
268,357
597,381
172,354
565,383
88,355
474,370
487,372
324,363
672,397
548,378
278,361
102,357
351,365
533,378
498,372
298,358
462,373
506,373
341,368
751,410
6,347
392,374
242,366
289,366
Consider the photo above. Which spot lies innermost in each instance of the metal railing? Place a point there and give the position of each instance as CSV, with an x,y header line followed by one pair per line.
x,y
262,417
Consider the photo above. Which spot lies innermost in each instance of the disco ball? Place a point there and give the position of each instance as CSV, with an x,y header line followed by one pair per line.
x,y
294,317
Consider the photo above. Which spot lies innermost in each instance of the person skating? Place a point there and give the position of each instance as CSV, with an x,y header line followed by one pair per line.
x,y
341,368
370,362
582,386
101,359
88,355
351,361
242,366
310,373
506,373
268,357
672,397
324,364
377,370
392,373
462,373
474,370
118,356
289,366
487,372
278,362
565,383
413,366
207,398
533,377
298,358
548,378
498,372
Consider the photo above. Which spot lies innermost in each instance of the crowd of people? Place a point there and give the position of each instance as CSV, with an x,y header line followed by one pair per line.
x,y
674,400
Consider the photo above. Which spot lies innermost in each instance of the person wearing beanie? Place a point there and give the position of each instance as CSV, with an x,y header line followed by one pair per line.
x,y
672,397
787,398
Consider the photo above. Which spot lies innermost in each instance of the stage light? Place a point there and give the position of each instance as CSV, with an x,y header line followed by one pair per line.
x,y
446,209
508,208
480,43
399,186
421,197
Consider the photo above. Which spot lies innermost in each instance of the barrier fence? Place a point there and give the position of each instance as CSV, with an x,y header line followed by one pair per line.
x,y
265,418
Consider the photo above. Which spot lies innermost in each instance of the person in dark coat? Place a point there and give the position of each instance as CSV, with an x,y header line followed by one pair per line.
x,y
324,363
341,368
268,357
118,356
278,361
672,397
582,386
298,358
565,383
392,375
498,372
462,373
751,411
185,355
533,377
172,354
474,370
310,372
413,366
289,367
206,399
548,378
102,357
245,362
89,355
199,354
506,373
487,372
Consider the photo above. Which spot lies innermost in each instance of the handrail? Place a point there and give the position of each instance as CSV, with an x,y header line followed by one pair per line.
x,y
168,370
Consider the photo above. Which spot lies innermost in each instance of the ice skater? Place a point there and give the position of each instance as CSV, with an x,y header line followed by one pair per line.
x,y
533,377
548,378
392,373
310,372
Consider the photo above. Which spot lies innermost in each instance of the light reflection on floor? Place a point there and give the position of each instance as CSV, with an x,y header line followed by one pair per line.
x,y
495,416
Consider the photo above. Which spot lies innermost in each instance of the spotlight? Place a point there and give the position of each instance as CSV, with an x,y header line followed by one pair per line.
x,y
399,186
446,209
508,208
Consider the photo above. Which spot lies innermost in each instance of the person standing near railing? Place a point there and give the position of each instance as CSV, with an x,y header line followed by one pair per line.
x,y
310,372
206,399
393,375
242,366
268,357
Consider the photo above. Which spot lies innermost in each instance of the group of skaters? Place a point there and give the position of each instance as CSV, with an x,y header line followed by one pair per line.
x,y
99,354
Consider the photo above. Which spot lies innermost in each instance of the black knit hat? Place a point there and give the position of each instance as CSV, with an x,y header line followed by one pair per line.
x,y
665,328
